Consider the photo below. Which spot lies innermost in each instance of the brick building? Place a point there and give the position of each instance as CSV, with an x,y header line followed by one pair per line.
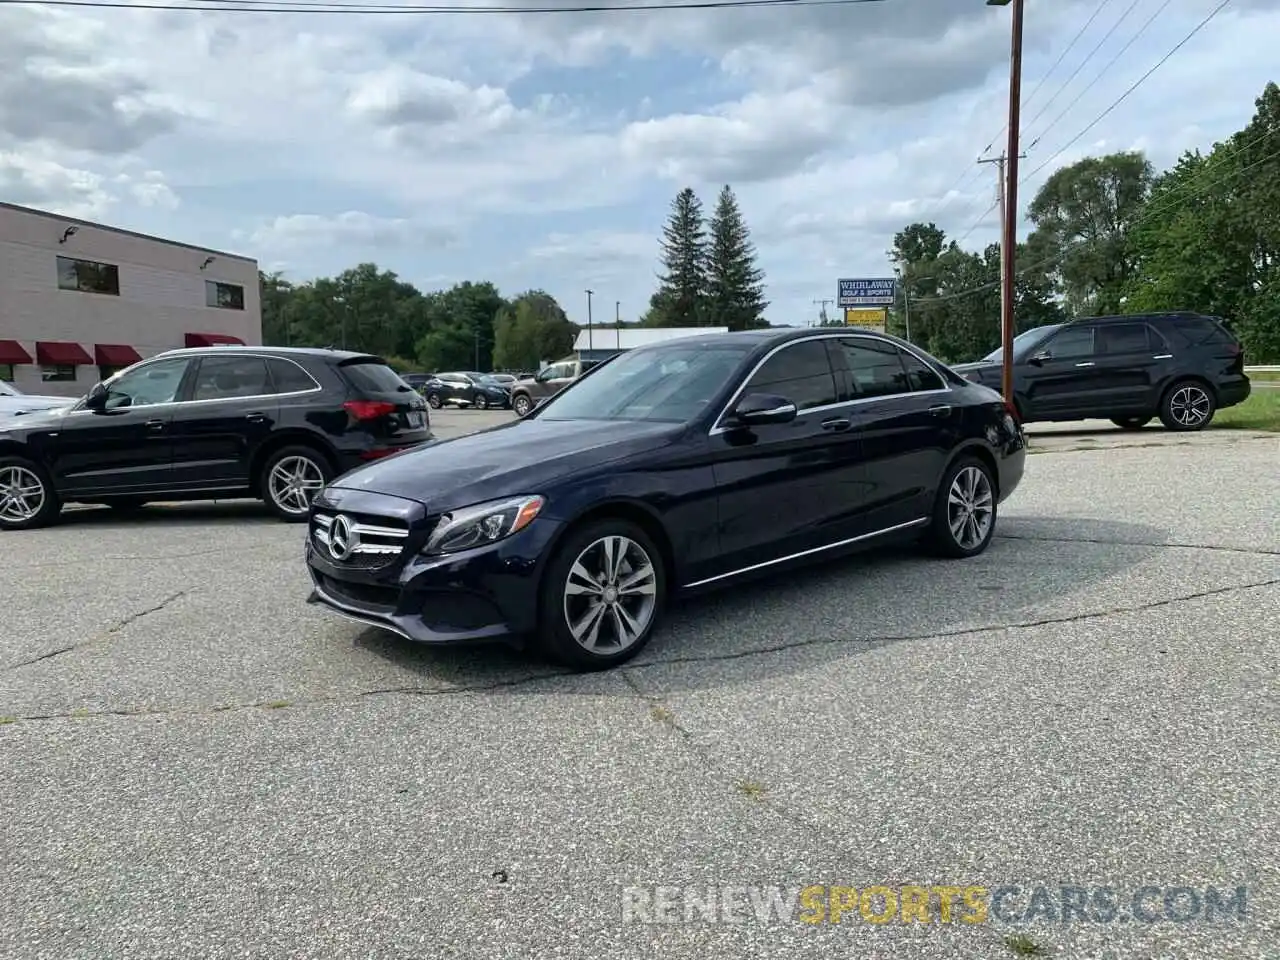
x,y
78,300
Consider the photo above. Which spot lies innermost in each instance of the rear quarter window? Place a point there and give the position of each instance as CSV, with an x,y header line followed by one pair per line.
x,y
372,377
1196,332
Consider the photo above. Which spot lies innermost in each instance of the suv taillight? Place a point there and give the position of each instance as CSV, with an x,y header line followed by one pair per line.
x,y
369,409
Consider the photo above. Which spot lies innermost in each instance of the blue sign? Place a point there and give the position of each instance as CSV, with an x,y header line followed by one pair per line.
x,y
867,293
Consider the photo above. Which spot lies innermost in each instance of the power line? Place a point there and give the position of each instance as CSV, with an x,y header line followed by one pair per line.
x,y
319,6
1101,73
1134,86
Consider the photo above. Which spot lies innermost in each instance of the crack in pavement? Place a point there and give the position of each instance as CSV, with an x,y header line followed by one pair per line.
x,y
1142,543
99,637
513,682
160,558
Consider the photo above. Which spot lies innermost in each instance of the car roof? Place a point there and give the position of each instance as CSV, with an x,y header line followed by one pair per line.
x,y
320,353
769,337
1135,317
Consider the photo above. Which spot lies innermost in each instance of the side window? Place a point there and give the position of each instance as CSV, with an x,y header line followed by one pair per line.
x,y
801,372
147,385
288,377
1074,343
920,376
1196,332
875,367
1114,338
225,378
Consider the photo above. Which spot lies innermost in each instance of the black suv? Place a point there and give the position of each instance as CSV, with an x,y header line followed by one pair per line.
x,y
1180,367
275,423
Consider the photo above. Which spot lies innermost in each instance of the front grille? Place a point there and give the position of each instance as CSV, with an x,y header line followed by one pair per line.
x,y
365,543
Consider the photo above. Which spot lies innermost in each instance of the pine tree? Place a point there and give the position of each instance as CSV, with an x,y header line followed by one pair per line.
x,y
735,285
680,299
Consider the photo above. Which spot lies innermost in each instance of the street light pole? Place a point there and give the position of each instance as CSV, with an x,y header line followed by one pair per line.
x,y
1009,241
589,339
617,324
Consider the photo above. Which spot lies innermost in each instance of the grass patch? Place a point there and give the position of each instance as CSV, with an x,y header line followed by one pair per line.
x,y
278,704
751,789
4,720
1261,411
662,715
1024,946
1270,375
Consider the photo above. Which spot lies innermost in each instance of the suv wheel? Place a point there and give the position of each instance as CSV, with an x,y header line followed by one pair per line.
x,y
291,478
964,514
602,596
1188,405
521,404
27,497
1131,423
433,399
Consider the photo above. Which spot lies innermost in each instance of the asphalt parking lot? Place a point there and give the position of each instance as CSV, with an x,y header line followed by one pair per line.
x,y
194,763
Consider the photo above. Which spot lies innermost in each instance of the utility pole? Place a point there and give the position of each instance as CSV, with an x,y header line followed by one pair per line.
x,y
822,313
589,340
617,324
1009,179
901,274
1006,288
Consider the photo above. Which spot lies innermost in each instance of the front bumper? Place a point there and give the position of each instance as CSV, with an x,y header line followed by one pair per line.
x,y
488,593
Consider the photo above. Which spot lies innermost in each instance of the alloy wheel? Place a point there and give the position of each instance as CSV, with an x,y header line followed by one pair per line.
x,y
294,482
481,401
521,405
610,595
434,401
1190,405
22,494
970,508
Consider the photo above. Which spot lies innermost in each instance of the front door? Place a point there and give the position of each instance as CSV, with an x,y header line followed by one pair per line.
x,y
127,447
231,409
1057,379
784,489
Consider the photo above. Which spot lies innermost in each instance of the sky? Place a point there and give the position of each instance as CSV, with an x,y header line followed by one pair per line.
x,y
543,150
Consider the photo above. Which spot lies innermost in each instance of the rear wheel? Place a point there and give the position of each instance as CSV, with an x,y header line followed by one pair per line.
x,y
602,596
964,513
1131,423
480,401
27,497
1188,405
433,399
521,404
291,478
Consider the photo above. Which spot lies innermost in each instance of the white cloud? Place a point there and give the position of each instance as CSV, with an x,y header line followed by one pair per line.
x,y
304,231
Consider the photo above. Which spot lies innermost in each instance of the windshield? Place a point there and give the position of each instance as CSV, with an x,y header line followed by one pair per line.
x,y
672,384
1022,342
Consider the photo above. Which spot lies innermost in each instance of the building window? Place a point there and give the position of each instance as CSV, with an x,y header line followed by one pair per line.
x,y
62,373
6,372
106,372
88,276
225,296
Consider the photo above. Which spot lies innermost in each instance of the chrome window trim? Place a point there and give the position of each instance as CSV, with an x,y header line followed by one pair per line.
x,y
718,426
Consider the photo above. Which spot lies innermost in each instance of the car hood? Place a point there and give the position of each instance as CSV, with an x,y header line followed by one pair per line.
x,y
35,417
979,370
521,457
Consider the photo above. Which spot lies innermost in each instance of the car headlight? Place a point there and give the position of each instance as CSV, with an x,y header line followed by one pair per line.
x,y
483,523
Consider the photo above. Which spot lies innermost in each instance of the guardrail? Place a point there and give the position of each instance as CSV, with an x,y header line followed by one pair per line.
x,y
1271,369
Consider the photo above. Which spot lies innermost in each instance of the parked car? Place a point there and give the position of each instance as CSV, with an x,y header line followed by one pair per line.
x,y
673,468
503,379
211,422
465,389
529,392
1180,367
13,401
417,380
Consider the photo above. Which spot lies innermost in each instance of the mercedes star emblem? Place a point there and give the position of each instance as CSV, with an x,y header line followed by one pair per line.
x,y
342,539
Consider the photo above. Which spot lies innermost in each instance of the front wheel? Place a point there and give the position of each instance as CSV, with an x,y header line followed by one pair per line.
x,y
433,399
521,404
602,596
27,497
964,513
1187,406
291,478
480,402
1131,423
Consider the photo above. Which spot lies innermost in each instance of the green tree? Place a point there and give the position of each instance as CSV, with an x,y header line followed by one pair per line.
x,y
735,285
681,295
530,329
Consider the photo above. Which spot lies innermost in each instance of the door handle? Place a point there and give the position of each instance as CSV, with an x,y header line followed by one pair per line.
x,y
941,410
255,417
155,425
838,423
1163,356
1086,363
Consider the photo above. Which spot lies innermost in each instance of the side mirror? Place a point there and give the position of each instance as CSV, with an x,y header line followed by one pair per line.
x,y
97,398
757,409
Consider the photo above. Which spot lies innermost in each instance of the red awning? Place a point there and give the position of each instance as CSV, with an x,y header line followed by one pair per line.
x,y
62,353
11,351
213,340
115,354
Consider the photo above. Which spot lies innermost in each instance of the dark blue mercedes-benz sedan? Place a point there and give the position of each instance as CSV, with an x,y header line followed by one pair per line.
x,y
676,467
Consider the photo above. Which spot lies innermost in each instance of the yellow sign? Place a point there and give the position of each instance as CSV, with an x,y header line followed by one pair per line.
x,y
871,319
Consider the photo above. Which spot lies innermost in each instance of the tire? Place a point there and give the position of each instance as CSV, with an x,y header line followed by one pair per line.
x,y
1131,423
480,401
27,497
971,481
1187,406
433,400
638,610
521,404
291,477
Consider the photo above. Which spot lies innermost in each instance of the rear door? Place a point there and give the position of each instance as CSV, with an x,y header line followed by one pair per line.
x,y
231,410
1057,377
380,403
1131,361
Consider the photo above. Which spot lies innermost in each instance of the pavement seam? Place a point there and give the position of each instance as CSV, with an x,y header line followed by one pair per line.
x,y
495,685
159,558
1142,543
102,637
